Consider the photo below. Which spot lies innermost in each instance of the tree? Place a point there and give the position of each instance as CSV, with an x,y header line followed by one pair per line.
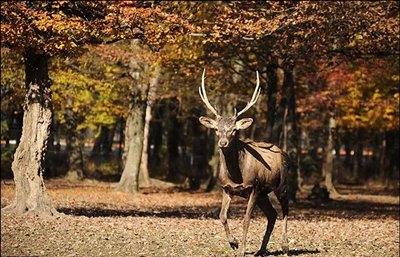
x,y
141,72
361,97
88,93
12,91
40,30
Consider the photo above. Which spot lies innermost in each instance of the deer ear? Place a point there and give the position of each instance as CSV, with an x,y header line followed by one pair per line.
x,y
244,123
207,122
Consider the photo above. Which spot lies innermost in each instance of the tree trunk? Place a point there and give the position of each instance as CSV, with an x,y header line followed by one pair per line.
x,y
144,176
103,143
144,166
28,165
214,164
156,138
74,148
383,169
357,158
134,134
290,135
271,103
327,166
173,140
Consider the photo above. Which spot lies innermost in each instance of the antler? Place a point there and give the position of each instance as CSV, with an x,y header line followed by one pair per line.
x,y
203,95
254,98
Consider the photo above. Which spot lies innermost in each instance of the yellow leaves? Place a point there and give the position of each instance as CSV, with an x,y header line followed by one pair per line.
x,y
60,46
370,101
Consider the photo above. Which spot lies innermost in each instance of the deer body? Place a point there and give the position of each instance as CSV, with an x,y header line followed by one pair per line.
x,y
256,171
245,164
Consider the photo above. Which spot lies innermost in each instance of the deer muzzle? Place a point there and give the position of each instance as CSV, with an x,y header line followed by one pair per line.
x,y
223,142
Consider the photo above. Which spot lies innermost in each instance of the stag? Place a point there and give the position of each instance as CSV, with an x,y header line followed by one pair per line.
x,y
256,171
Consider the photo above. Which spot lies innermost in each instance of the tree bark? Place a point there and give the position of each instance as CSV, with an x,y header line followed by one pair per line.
x,y
144,165
327,166
134,134
135,124
28,165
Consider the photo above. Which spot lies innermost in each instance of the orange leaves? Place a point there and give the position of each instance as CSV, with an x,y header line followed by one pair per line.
x,y
367,100
62,26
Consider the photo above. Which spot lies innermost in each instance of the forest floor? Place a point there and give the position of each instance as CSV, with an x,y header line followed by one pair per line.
x,y
164,220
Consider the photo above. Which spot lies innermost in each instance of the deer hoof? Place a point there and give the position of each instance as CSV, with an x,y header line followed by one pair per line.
x,y
234,244
261,253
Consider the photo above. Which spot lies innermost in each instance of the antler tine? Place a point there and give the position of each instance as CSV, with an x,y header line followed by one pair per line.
x,y
203,95
254,98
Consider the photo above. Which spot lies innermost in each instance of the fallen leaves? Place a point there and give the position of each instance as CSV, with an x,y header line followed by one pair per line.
x,y
173,223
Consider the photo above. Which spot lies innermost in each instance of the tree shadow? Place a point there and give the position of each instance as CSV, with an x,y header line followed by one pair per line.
x,y
345,209
302,210
198,213
295,252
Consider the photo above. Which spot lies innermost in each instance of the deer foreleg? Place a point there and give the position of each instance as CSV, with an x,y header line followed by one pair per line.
x,y
246,222
223,216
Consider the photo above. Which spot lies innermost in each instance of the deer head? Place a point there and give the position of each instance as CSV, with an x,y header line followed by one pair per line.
x,y
226,126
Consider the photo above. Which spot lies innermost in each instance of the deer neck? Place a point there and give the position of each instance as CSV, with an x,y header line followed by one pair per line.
x,y
230,157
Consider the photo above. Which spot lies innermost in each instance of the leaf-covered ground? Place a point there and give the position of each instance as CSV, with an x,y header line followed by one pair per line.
x,y
166,221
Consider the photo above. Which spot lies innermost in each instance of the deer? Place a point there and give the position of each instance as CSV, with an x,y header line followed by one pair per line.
x,y
256,171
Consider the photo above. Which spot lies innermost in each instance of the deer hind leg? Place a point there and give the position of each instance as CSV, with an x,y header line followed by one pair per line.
x,y
269,211
223,216
285,212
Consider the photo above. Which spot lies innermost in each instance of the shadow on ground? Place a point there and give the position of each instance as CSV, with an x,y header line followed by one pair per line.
x,y
345,209
165,213
302,210
296,252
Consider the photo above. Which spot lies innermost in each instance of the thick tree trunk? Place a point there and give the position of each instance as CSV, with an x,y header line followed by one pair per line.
x,y
134,134
327,166
28,165
135,124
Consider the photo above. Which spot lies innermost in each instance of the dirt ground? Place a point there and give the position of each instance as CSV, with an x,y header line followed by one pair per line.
x,y
166,221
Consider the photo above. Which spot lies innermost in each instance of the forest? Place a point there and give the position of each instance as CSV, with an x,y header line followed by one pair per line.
x,y
103,152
